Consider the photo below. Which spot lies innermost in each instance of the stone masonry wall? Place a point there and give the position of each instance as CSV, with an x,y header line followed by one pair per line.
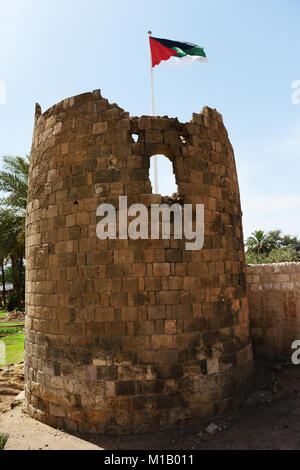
x,y
127,336
274,304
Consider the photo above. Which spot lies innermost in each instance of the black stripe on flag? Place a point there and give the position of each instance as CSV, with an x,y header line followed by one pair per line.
x,y
184,46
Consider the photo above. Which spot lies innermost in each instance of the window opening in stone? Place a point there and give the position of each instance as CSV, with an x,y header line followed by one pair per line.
x,y
183,139
135,137
166,179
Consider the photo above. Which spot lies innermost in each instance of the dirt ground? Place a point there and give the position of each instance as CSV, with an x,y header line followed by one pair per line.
x,y
269,419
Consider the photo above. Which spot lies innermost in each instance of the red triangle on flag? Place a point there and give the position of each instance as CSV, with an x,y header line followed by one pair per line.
x,y
160,52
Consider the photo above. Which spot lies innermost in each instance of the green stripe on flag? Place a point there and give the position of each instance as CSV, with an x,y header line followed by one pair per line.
x,y
198,51
179,52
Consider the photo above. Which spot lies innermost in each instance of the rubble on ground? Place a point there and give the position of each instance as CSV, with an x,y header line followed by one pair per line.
x,y
18,400
14,316
212,428
13,375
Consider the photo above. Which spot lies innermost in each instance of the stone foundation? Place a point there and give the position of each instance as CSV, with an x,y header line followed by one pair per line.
x,y
127,336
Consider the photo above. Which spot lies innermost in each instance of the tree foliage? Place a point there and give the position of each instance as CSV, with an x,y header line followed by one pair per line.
x,y
14,182
14,185
272,247
257,242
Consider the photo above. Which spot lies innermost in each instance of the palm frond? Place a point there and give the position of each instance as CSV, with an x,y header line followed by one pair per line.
x,y
17,165
14,181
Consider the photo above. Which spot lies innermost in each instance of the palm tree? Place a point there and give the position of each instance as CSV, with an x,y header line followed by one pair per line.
x,y
2,264
12,245
14,183
257,242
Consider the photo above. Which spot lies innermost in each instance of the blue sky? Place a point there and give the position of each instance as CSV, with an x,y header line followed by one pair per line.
x,y
53,49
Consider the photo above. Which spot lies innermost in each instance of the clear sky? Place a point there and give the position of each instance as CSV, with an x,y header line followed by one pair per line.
x,y
52,49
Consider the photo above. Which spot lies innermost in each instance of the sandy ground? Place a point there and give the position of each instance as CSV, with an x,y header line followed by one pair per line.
x,y
269,419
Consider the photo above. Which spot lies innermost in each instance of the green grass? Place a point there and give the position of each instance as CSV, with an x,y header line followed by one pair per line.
x,y
12,324
10,328
2,314
14,348
3,440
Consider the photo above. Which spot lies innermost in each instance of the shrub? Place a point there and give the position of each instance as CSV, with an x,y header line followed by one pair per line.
x,y
283,255
4,331
12,302
279,255
255,258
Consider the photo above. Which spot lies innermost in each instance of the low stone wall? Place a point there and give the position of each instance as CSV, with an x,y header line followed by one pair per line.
x,y
274,303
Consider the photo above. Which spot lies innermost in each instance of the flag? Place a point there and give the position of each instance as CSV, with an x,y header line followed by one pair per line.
x,y
166,52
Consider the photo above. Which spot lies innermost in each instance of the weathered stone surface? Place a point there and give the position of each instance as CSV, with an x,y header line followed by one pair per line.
x,y
128,336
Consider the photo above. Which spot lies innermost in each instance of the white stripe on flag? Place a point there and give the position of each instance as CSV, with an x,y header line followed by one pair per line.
x,y
186,60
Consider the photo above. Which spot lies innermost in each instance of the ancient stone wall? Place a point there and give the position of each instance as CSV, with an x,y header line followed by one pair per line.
x,y
274,304
126,336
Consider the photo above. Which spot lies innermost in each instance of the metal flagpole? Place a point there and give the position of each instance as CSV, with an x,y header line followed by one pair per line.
x,y
156,188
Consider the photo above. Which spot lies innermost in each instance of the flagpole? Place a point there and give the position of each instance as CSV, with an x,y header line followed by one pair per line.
x,y
156,188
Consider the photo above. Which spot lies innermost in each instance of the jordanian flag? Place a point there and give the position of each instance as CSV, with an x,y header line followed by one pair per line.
x,y
166,52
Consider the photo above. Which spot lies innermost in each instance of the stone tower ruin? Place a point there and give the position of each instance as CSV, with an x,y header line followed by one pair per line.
x,y
131,336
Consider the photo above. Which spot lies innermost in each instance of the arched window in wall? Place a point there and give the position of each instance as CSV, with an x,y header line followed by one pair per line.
x,y
166,181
